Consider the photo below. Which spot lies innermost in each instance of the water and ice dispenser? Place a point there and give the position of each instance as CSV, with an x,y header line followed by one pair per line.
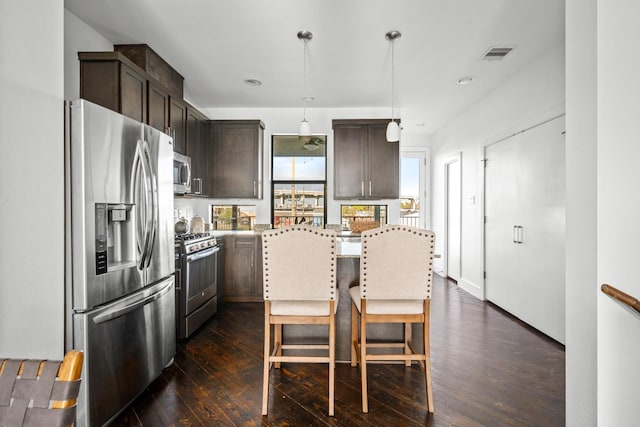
x,y
115,237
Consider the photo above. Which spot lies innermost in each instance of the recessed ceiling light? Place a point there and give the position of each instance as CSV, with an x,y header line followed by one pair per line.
x,y
253,82
464,80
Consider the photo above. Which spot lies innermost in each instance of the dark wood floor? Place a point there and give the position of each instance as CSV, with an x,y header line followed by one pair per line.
x,y
489,369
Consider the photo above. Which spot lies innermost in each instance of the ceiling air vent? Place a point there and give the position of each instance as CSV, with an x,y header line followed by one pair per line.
x,y
496,53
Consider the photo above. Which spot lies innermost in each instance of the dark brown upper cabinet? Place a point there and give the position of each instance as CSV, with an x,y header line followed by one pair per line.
x,y
135,81
114,82
366,166
158,102
198,144
178,124
236,158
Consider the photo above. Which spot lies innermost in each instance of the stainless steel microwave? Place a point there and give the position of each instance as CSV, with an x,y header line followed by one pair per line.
x,y
181,174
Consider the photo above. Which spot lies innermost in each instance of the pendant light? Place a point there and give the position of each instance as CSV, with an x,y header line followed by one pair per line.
x,y
305,128
393,129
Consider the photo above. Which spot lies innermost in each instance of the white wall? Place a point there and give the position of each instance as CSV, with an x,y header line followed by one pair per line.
x,y
530,96
618,176
32,179
78,37
581,244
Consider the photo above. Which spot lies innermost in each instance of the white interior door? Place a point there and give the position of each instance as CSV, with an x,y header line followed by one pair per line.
x,y
541,213
501,213
525,226
454,196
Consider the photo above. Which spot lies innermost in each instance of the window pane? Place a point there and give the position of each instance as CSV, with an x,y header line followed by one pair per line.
x,y
299,160
410,191
233,217
351,215
298,204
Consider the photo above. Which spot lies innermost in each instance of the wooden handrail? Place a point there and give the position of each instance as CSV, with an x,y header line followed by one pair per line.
x,y
621,296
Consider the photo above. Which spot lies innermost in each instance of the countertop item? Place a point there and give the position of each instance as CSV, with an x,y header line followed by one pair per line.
x,y
197,224
182,226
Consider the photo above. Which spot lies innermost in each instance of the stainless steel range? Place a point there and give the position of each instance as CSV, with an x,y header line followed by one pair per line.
x,y
196,281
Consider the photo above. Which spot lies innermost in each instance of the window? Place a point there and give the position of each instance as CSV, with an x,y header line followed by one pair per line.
x,y
362,217
299,170
233,217
412,200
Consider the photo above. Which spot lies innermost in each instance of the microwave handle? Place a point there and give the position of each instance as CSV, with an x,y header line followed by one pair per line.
x,y
185,173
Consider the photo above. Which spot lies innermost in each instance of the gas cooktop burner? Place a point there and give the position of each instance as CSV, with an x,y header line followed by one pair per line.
x,y
194,242
191,236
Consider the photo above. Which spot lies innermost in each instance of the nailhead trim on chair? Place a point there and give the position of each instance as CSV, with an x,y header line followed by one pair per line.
x,y
330,234
386,229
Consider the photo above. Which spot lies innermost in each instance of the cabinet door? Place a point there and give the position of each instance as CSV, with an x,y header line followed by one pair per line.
x,y
133,94
221,268
242,262
236,153
158,108
178,124
114,86
348,161
197,151
382,180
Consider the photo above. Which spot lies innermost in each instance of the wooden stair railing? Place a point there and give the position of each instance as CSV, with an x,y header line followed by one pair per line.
x,y
621,296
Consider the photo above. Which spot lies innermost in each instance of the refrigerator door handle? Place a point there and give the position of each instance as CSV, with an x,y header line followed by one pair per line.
x,y
144,190
151,202
110,315
138,193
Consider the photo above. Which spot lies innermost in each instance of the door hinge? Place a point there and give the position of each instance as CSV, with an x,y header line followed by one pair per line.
x,y
484,274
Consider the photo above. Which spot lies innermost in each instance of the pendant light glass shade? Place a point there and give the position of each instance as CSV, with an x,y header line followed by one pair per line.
x,y
393,129
305,128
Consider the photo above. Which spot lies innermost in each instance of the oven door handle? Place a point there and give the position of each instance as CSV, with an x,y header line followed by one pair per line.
x,y
202,254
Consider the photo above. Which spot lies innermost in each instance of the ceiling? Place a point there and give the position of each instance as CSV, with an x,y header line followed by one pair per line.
x,y
217,44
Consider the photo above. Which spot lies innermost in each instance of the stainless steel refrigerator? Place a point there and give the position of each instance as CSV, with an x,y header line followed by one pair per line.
x,y
120,291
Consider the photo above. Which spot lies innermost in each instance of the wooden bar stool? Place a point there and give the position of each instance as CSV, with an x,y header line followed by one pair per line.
x,y
396,266
299,280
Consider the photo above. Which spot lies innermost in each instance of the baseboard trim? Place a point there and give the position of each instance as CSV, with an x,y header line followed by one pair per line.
x,y
471,288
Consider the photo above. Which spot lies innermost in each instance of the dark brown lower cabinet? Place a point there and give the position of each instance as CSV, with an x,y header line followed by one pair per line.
x,y
243,268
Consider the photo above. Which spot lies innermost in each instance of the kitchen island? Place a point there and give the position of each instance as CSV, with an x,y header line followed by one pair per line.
x,y
348,275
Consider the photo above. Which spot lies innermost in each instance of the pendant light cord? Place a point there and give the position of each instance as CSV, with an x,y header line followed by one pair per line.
x,y
304,80
392,76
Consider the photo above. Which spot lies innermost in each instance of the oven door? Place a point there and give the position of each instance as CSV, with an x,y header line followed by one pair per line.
x,y
199,279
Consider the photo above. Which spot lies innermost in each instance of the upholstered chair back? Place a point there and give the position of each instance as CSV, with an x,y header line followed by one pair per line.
x,y
299,263
396,263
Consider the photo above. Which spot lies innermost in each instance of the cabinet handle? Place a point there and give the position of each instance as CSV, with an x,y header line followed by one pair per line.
x,y
362,188
254,189
197,185
518,234
369,188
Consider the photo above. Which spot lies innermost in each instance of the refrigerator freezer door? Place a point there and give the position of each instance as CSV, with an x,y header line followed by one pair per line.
x,y
127,344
